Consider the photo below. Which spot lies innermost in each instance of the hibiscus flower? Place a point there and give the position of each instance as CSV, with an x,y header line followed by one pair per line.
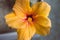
x,y
28,20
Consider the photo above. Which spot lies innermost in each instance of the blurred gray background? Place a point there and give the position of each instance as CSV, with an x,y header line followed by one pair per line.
x,y
7,33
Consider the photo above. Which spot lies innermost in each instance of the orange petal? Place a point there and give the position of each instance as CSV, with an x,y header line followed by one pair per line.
x,y
41,30
22,6
45,21
14,21
43,25
41,9
26,33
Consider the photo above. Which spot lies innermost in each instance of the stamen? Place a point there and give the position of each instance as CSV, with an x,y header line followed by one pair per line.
x,y
29,19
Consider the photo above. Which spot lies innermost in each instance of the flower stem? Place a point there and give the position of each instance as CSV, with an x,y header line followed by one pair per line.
x,y
39,0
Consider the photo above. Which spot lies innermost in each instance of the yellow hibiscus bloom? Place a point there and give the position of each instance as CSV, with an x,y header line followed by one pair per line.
x,y
29,20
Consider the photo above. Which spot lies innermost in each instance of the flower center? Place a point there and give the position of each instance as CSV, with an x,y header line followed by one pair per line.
x,y
29,18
